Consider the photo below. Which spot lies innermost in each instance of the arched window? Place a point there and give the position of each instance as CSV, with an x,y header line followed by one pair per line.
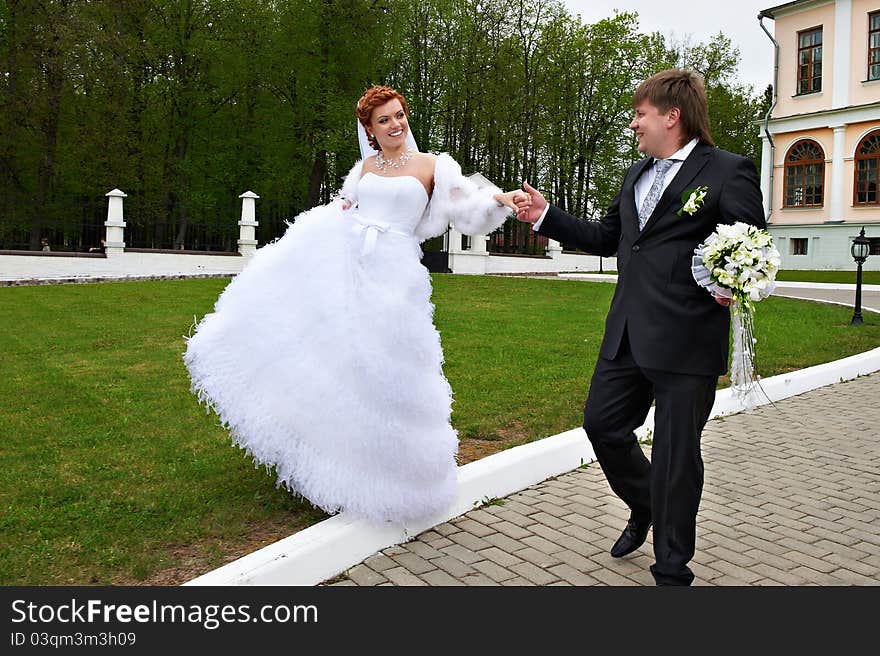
x,y
867,165
804,175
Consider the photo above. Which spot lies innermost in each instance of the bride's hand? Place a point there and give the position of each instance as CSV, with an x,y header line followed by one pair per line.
x,y
510,198
346,204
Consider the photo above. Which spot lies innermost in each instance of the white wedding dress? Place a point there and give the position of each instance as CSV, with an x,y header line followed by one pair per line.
x,y
322,359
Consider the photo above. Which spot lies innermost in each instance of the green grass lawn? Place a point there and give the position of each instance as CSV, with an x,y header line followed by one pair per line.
x,y
110,471
849,277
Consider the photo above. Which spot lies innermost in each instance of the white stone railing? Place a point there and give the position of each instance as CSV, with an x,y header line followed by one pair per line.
x,y
479,260
119,262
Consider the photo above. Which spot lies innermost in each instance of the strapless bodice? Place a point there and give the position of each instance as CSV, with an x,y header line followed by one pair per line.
x,y
395,201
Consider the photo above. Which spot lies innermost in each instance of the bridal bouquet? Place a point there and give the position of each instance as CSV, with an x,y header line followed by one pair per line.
x,y
739,262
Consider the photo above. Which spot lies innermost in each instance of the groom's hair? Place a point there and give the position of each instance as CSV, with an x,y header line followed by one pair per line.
x,y
684,89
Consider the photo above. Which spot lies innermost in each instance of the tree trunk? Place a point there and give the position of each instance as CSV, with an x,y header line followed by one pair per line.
x,y
49,128
319,170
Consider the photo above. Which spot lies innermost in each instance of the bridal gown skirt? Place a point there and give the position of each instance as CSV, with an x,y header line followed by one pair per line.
x,y
322,360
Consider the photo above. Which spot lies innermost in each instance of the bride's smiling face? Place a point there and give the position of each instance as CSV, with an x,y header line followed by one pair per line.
x,y
389,125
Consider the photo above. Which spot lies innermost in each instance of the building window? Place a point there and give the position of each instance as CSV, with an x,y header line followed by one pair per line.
x,y
873,245
804,175
874,46
799,245
809,61
867,160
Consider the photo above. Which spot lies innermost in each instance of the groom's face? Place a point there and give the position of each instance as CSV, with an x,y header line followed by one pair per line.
x,y
653,130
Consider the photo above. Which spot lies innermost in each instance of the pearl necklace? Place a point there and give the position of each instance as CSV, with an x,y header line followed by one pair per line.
x,y
395,163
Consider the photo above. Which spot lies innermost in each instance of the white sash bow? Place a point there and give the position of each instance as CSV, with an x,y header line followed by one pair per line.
x,y
371,229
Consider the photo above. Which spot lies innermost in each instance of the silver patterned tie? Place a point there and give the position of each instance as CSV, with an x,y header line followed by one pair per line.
x,y
654,192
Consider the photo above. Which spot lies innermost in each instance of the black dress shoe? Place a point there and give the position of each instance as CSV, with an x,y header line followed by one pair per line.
x,y
633,537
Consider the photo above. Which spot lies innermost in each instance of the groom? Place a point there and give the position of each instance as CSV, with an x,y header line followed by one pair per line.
x,y
666,338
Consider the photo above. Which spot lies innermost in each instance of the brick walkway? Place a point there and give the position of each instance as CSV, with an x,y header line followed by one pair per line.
x,y
791,497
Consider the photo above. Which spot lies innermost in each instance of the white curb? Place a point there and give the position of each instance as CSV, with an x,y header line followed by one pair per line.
x,y
328,548
324,550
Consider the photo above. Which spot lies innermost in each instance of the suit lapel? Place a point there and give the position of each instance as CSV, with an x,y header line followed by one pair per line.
x,y
695,162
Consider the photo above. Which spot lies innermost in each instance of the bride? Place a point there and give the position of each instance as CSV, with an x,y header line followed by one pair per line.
x,y
321,357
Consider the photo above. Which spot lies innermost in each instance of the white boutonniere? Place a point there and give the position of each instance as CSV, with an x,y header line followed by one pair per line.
x,y
693,200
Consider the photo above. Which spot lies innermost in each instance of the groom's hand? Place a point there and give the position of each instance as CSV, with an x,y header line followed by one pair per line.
x,y
529,208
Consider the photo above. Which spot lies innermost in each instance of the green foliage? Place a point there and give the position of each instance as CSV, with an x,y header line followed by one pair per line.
x,y
486,501
185,104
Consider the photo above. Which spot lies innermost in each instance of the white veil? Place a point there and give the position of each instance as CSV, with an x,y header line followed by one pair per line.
x,y
367,149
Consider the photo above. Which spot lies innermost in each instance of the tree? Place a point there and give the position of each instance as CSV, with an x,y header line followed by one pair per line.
x,y
185,104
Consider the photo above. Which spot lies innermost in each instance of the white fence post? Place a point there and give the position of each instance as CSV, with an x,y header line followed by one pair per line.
x,y
247,242
113,239
554,248
478,244
454,244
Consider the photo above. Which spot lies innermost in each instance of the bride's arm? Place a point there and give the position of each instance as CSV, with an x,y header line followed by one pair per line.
x,y
348,193
457,199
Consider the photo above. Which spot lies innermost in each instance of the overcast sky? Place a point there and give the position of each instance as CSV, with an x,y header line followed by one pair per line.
x,y
738,19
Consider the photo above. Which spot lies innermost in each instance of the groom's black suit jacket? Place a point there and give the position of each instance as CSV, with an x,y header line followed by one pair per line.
x,y
672,324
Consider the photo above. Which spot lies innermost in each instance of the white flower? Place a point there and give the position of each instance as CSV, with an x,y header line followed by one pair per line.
x,y
742,259
693,200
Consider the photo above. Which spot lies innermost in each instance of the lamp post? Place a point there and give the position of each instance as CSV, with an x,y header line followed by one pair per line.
x,y
859,251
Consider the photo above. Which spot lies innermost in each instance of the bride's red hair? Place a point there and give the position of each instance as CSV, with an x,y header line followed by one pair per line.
x,y
373,97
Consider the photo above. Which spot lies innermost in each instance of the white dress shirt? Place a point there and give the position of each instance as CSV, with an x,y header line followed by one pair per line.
x,y
643,184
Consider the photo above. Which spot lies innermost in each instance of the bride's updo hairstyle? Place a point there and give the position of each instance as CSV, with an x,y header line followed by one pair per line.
x,y
374,97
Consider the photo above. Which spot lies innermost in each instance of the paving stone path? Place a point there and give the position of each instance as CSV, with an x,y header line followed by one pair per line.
x,y
791,497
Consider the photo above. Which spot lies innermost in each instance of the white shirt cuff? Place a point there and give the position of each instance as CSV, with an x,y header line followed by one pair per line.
x,y
537,224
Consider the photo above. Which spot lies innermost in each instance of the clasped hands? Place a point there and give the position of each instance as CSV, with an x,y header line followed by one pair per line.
x,y
529,205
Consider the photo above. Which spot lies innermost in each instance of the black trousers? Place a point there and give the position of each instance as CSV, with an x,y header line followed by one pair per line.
x,y
665,490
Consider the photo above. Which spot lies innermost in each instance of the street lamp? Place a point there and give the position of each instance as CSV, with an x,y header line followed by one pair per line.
x,y
859,249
